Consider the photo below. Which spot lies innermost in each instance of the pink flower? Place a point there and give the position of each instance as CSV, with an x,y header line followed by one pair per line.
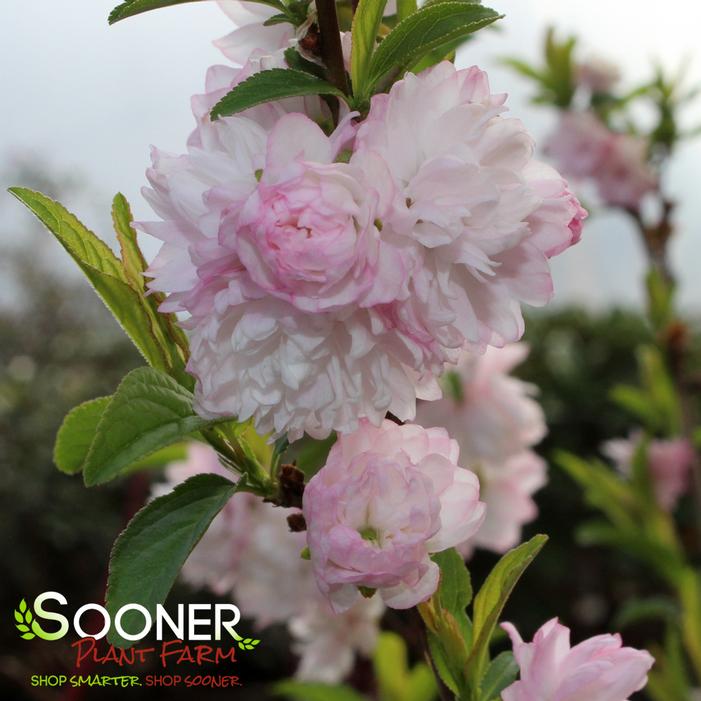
x,y
494,419
507,489
387,498
251,34
669,462
583,147
597,74
598,669
328,642
491,414
308,233
471,197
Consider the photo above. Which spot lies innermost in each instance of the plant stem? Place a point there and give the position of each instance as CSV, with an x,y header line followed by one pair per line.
x,y
655,240
331,50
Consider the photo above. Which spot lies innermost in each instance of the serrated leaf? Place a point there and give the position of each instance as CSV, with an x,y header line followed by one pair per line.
x,y
316,691
149,411
170,337
76,434
81,243
492,598
270,85
104,271
502,672
423,31
150,552
133,260
129,8
440,663
366,24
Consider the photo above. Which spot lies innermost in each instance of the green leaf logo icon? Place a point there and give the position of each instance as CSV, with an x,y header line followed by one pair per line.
x,y
23,619
246,643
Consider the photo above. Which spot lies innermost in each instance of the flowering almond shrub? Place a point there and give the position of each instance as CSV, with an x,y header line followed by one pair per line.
x,y
329,330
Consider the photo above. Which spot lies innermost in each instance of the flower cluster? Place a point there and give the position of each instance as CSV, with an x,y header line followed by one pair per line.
x,y
584,147
248,551
495,420
328,274
386,499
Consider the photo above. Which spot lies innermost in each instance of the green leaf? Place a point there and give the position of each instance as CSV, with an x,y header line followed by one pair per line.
x,y
604,489
422,684
423,31
150,552
273,84
501,673
29,636
524,69
104,271
149,411
76,434
310,455
455,588
132,259
391,665
314,691
449,629
81,243
19,617
23,606
366,24
129,8
22,628
657,608
170,337
492,597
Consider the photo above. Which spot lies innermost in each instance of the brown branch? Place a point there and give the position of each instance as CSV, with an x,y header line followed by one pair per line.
x,y
331,49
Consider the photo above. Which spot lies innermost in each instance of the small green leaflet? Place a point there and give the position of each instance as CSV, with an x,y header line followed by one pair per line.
x,y
427,29
129,8
76,434
366,24
492,598
273,84
149,411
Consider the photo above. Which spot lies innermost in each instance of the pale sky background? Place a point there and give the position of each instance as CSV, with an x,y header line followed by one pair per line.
x,y
90,99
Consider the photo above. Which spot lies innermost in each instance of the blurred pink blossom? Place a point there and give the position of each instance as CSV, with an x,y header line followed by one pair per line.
x,y
583,147
598,669
669,462
494,414
507,489
386,499
495,419
597,74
